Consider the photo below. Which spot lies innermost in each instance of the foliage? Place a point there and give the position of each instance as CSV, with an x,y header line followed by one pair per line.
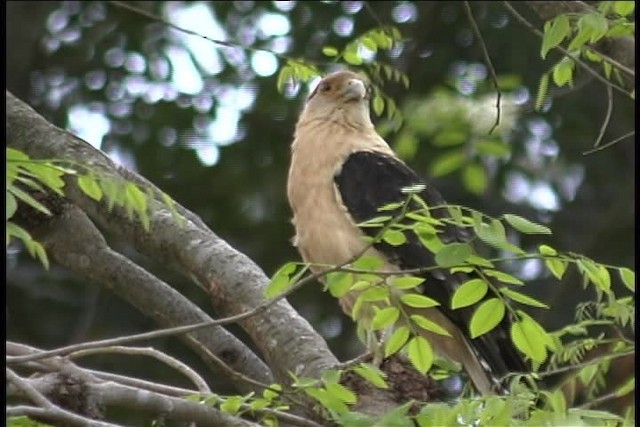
x,y
27,176
461,132
583,31
383,299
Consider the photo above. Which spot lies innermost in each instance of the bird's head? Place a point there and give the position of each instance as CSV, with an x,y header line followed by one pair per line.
x,y
341,96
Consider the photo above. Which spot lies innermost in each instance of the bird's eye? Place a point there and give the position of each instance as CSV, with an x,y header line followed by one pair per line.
x,y
325,87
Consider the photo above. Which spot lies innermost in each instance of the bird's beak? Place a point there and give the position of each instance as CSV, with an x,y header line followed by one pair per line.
x,y
355,90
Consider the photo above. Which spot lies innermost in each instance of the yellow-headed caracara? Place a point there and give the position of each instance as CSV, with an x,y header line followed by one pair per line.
x,y
341,172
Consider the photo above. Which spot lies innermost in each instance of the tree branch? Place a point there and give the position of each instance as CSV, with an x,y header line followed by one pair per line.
x,y
235,283
75,243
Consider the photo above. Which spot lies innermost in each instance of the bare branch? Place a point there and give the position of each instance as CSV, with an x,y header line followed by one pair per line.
x,y
488,62
75,243
609,144
235,283
607,117
47,409
184,369
26,388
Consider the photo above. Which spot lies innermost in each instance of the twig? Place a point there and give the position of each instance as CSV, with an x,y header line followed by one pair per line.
x,y
607,118
601,399
224,43
609,144
586,363
151,352
189,328
615,63
161,332
488,62
584,65
373,13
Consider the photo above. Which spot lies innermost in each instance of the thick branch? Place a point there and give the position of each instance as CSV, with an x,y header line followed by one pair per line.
x,y
77,244
235,282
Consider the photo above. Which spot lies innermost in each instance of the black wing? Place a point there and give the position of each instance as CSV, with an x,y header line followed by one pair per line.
x,y
369,180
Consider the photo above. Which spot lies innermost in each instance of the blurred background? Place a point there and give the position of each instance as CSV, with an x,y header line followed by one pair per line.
x,y
207,125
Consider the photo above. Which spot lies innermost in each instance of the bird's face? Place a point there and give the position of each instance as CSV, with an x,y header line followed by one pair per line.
x,y
343,95
342,87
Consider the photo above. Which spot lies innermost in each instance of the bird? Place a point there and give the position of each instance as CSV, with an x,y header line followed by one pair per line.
x,y
341,172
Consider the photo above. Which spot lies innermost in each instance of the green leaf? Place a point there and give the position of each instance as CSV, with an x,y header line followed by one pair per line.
x,y
397,340
450,137
26,198
556,266
492,148
90,187
136,201
285,74
418,301
427,324
378,104
13,155
530,338
469,293
327,400
448,163
621,29
369,43
40,254
394,237
368,263
627,387
330,51
49,174
563,72
420,354
522,298
593,24
624,8
341,392
351,55
628,277
11,205
378,221
492,234
503,277
596,273
543,91
486,317
525,226
599,416
374,294
281,280
391,206
385,318
480,261
474,178
555,31
453,254
339,283
231,405
407,282
372,374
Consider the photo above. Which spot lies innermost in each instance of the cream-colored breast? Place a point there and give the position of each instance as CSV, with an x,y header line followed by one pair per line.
x,y
325,232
